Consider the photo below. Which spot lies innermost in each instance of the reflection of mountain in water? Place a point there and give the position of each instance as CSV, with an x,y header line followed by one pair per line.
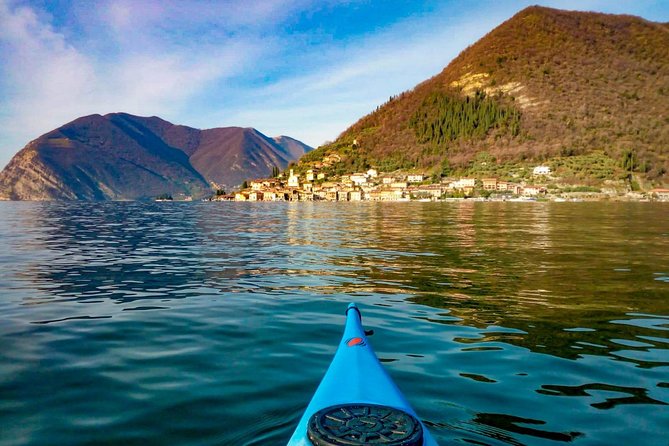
x,y
122,252
127,252
553,280
551,272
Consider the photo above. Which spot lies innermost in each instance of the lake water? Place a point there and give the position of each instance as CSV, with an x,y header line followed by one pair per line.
x,y
213,323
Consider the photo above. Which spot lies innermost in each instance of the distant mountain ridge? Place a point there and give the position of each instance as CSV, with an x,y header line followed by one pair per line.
x,y
121,156
545,84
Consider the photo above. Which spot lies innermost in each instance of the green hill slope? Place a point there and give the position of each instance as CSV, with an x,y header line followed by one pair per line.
x,y
574,88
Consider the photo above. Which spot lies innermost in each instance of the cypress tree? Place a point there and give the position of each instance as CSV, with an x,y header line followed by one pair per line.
x,y
443,118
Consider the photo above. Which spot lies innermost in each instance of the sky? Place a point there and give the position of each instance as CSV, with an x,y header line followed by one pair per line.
x,y
303,68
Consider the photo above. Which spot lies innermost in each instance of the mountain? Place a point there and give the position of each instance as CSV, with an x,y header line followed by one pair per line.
x,y
228,156
575,88
120,156
292,146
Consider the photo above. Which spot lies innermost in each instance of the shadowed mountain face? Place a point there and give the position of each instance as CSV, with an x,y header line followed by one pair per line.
x,y
121,156
292,146
228,156
546,83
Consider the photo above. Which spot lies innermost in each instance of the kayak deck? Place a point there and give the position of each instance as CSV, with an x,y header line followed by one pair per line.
x,y
357,402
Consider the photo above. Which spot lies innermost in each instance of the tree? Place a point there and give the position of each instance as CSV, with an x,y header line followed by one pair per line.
x,y
445,168
443,117
629,162
245,185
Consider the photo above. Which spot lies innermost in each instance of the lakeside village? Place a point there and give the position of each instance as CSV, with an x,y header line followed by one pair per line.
x,y
377,186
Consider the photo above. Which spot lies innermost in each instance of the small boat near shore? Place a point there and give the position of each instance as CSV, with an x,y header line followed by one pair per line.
x,y
357,403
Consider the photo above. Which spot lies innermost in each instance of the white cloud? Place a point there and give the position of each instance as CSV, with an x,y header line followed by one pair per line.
x,y
146,58
317,105
128,14
48,81
44,75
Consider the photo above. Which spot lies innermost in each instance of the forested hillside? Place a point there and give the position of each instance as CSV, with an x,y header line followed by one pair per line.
x,y
545,85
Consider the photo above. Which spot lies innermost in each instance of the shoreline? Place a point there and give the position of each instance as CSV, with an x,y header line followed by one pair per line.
x,y
563,198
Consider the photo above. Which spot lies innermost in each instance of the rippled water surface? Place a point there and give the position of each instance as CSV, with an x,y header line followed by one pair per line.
x,y
212,323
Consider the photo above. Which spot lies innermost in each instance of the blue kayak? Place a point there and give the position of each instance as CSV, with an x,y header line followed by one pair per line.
x,y
357,403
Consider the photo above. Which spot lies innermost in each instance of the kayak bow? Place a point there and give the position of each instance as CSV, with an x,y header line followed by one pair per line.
x,y
357,403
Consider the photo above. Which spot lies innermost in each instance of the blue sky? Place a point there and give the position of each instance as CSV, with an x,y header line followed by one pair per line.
x,y
303,68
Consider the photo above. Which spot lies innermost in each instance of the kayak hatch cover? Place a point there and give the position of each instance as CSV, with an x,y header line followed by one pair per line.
x,y
357,403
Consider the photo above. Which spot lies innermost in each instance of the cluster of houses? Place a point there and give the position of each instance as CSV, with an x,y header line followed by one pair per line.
x,y
371,186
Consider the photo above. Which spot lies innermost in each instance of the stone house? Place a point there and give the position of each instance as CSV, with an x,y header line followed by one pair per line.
x,y
359,178
463,183
392,194
489,183
427,191
256,184
269,195
530,191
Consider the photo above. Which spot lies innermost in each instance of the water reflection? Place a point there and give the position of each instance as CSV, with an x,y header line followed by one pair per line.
x,y
635,395
121,252
534,268
509,423
503,322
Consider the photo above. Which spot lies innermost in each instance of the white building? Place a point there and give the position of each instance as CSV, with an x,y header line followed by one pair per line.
x,y
293,180
359,178
542,170
372,173
531,191
463,183
399,185
415,178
